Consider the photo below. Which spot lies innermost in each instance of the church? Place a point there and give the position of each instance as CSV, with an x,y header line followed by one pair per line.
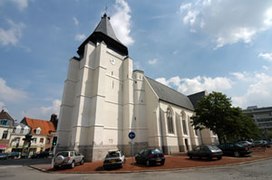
x,y
108,105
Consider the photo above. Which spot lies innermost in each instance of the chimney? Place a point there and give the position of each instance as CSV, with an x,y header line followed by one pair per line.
x,y
54,120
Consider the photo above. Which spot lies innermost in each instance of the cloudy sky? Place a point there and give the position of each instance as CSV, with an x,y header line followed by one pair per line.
x,y
189,45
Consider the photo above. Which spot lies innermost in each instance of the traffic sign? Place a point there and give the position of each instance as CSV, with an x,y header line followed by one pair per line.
x,y
131,135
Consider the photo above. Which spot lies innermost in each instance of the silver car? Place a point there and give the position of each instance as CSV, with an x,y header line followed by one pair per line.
x,y
114,159
67,158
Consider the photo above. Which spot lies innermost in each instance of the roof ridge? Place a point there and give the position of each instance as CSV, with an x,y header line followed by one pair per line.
x,y
166,86
104,26
36,119
170,95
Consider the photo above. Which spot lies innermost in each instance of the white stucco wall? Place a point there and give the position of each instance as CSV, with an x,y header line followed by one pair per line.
x,y
104,100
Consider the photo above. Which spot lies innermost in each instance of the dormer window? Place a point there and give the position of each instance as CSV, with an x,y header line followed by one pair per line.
x,y
4,122
37,130
26,130
18,129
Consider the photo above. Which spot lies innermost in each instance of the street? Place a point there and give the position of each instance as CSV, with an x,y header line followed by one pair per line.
x,y
260,170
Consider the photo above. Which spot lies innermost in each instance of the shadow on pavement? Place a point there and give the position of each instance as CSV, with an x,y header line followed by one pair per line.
x,y
25,162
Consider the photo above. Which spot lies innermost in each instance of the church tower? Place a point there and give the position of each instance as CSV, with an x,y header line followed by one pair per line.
x,y
104,100
97,103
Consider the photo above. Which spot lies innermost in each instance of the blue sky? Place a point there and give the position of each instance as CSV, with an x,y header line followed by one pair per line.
x,y
213,45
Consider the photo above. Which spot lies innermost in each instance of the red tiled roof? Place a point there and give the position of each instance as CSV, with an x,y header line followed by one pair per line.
x,y
46,126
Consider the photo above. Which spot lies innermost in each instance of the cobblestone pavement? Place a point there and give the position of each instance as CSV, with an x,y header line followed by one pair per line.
x,y
172,162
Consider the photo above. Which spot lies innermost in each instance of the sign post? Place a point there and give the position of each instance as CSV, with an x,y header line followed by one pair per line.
x,y
131,136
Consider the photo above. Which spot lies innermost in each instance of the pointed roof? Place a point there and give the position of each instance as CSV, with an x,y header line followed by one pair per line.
x,y
105,27
197,97
5,115
170,95
104,32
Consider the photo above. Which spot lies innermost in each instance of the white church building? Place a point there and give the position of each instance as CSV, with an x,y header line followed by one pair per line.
x,y
105,99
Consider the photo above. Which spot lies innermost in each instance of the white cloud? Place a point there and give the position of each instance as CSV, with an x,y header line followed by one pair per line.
x,y
244,88
234,36
258,91
44,112
266,56
242,76
191,16
238,75
228,21
196,84
153,61
163,81
80,37
121,22
12,35
76,21
2,105
268,17
21,4
266,68
9,94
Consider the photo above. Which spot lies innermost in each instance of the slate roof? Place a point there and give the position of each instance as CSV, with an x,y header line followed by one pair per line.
x,y
105,27
46,126
170,95
104,32
197,96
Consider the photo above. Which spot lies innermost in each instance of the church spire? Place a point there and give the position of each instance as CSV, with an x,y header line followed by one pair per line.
x,y
105,27
104,32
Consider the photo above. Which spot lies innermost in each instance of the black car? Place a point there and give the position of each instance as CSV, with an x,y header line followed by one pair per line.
x,y
206,151
235,149
44,154
150,156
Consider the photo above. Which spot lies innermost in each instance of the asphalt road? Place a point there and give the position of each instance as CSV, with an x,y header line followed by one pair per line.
x,y
260,170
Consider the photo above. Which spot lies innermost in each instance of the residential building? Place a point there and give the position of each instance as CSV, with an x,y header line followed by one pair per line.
x,y
6,127
42,132
104,100
16,141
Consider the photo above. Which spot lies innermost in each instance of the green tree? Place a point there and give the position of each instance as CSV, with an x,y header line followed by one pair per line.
x,y
215,112
243,125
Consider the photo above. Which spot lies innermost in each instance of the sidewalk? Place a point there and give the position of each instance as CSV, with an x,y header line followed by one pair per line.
x,y
171,163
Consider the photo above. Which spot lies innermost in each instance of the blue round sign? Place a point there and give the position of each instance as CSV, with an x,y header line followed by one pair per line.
x,y
131,135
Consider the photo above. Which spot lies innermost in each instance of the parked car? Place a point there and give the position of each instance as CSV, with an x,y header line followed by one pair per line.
x,y
3,156
44,154
151,156
114,159
206,151
246,143
14,155
234,149
262,143
67,158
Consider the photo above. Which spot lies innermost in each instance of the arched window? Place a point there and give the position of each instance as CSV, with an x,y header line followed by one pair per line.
x,y
170,123
184,124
